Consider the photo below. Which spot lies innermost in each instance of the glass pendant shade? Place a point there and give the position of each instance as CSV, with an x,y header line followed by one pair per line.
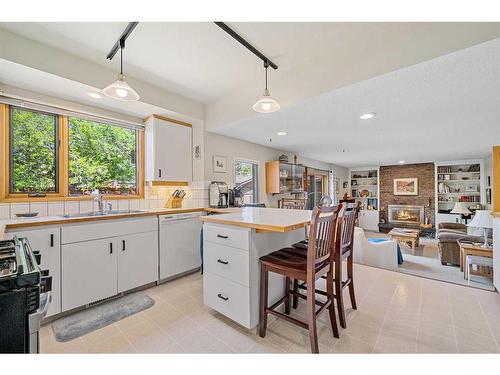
x,y
121,90
266,104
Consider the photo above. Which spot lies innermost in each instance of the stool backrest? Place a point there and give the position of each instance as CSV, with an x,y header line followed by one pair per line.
x,y
348,222
323,234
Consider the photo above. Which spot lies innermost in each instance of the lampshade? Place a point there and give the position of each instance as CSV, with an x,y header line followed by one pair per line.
x,y
482,219
266,104
460,208
121,90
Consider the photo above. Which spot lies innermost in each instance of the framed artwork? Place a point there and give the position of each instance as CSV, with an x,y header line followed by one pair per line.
x,y
406,186
470,188
219,164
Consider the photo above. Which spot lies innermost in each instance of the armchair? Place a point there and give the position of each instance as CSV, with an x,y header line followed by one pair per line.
x,y
381,254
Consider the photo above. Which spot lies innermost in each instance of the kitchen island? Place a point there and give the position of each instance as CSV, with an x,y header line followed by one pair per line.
x,y
233,244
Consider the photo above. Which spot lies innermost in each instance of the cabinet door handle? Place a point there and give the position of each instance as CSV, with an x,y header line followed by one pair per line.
x,y
159,172
123,245
222,261
222,236
111,247
222,297
52,240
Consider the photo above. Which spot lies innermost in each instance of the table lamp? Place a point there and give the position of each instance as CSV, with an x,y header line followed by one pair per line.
x,y
482,219
462,209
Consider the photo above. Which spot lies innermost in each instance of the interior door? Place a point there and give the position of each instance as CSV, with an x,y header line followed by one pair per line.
x,y
317,187
137,260
89,272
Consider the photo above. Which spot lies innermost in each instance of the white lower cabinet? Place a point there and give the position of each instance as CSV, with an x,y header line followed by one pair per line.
x,y
100,268
47,242
89,272
137,260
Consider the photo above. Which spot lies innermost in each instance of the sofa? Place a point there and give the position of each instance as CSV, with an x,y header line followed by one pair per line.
x,y
448,234
382,254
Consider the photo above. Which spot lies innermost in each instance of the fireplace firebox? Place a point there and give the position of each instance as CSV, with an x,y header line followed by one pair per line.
x,y
405,214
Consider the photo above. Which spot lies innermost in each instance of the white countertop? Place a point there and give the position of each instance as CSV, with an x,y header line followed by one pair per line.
x,y
264,219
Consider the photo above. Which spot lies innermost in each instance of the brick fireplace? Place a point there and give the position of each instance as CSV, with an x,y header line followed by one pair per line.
x,y
426,188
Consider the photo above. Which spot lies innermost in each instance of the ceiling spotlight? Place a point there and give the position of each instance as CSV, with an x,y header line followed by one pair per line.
x,y
368,116
401,162
266,104
281,133
95,95
120,89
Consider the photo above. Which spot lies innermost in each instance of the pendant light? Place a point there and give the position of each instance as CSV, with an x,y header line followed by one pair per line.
x,y
266,104
120,89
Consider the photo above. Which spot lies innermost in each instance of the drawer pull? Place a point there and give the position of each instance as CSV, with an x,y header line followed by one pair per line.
x,y
222,236
222,297
111,247
222,261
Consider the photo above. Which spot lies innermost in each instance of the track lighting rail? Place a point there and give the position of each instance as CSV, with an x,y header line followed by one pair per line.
x,y
245,44
120,43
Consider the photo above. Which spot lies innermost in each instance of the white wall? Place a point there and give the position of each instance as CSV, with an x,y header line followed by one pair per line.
x,y
234,148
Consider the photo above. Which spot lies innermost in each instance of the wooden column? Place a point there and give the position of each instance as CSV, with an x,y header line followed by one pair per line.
x,y
496,179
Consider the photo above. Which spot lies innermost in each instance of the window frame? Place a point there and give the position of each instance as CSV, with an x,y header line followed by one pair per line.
x,y
62,162
256,194
56,154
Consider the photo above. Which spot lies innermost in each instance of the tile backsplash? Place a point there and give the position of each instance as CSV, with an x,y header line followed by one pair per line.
x,y
154,197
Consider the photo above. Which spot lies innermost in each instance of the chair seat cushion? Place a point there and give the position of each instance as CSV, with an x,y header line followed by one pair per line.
x,y
287,258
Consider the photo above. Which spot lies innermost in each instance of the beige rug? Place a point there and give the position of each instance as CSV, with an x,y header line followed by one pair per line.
x,y
426,263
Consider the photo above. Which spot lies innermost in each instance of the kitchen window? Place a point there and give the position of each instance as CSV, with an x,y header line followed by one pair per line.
x,y
102,157
48,153
246,184
33,151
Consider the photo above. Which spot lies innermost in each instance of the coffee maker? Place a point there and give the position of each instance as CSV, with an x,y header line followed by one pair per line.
x,y
218,194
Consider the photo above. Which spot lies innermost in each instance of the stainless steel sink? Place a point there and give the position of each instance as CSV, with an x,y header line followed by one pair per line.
x,y
105,213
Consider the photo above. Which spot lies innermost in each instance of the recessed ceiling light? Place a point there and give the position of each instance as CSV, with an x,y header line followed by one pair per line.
x,y
401,162
95,95
281,133
368,116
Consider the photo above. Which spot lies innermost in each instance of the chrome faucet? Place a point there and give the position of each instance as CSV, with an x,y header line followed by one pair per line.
x,y
99,198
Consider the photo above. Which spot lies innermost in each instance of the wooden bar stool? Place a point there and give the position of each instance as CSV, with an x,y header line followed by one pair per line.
x,y
347,222
317,263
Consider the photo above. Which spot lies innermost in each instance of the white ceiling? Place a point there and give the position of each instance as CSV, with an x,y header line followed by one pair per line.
x,y
200,61
36,81
443,109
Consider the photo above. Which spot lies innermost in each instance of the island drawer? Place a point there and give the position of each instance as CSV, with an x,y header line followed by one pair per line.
x,y
226,235
227,297
227,262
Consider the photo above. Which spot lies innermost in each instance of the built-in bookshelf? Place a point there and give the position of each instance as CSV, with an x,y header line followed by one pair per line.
x,y
364,188
461,182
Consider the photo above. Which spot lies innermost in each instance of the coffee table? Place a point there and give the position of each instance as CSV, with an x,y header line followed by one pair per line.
x,y
406,237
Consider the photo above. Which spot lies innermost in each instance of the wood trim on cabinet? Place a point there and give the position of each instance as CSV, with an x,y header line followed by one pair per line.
x,y
168,119
169,183
496,179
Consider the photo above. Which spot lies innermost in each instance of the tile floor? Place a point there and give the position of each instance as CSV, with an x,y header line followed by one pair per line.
x,y
397,313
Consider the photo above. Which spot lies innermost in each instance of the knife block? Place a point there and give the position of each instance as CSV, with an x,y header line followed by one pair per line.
x,y
174,202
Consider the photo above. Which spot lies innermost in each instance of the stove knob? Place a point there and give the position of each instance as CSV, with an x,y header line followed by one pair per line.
x,y
38,257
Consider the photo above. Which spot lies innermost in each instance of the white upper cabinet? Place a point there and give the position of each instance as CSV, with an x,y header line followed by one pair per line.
x,y
168,150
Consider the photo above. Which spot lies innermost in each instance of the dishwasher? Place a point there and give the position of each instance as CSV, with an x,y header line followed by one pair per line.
x,y
179,244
